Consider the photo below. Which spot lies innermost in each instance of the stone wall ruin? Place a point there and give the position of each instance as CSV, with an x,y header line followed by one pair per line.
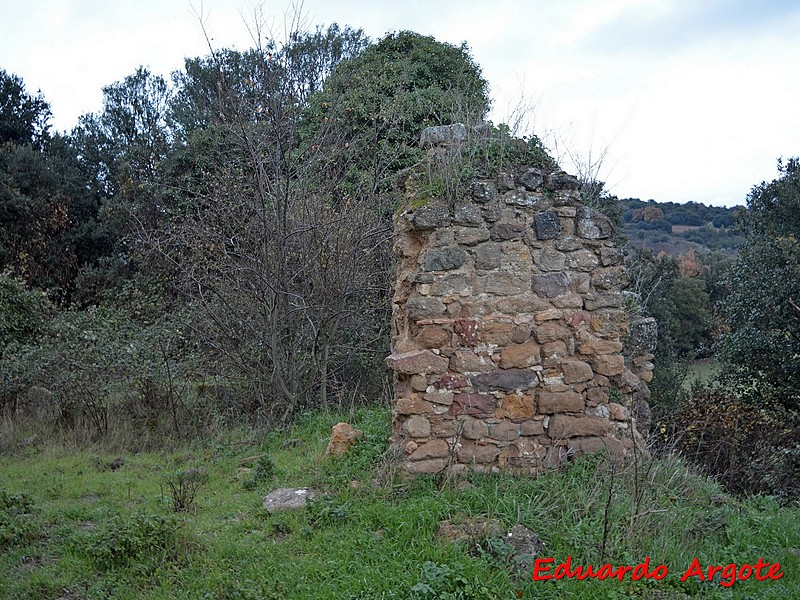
x,y
509,331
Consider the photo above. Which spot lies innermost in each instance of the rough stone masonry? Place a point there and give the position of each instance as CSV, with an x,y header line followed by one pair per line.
x,y
511,348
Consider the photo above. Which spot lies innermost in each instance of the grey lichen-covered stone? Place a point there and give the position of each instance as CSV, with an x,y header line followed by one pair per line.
x,y
482,192
642,336
547,225
532,179
467,214
443,135
526,199
430,217
550,285
444,259
287,499
592,225
562,181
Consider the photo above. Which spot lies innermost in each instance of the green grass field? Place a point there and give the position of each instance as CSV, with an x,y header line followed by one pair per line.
x,y
72,526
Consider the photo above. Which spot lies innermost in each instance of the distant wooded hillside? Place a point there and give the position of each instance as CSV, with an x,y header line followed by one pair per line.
x,y
677,228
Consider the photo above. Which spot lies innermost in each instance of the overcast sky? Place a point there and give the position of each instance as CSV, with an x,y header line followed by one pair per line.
x,y
688,99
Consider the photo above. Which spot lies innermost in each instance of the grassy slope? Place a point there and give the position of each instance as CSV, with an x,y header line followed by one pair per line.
x,y
96,532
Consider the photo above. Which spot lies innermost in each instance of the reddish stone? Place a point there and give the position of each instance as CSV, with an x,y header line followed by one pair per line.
x,y
472,404
467,332
448,382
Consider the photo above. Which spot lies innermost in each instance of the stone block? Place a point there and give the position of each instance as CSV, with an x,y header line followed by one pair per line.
x,y
576,371
474,429
507,380
467,331
425,307
554,350
531,427
482,191
522,453
466,213
488,256
505,431
526,199
444,259
610,256
549,259
413,406
516,407
466,361
518,356
429,450
417,427
599,346
582,260
550,332
418,362
532,179
547,225
592,225
434,465
501,283
568,243
470,236
562,427
558,402
607,300
433,336
506,231
477,452
609,364
442,397
472,404
550,285
617,412
496,332
521,333
430,217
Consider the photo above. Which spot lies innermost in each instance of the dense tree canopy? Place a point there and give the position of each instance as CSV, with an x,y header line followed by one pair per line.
x,y
762,310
